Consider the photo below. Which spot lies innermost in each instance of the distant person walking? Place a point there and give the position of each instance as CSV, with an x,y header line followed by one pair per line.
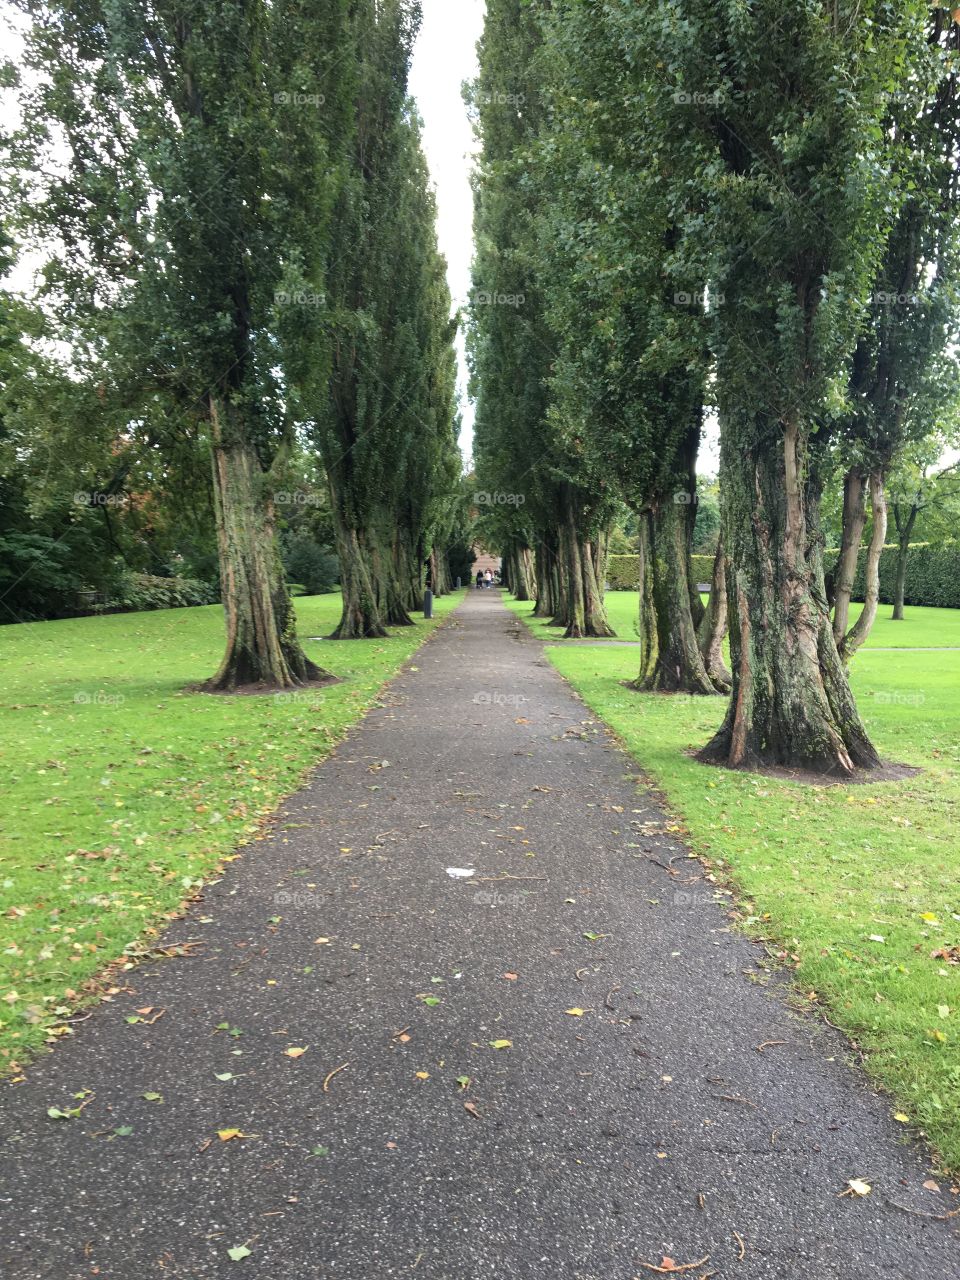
x,y
479,579
488,579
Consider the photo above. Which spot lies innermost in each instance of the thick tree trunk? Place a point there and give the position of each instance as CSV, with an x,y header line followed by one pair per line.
x,y
713,627
854,522
521,574
671,658
360,616
871,597
791,703
262,646
585,614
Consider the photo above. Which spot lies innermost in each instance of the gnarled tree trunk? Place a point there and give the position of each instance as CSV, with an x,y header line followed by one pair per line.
x,y
671,660
262,646
855,637
791,703
854,522
714,625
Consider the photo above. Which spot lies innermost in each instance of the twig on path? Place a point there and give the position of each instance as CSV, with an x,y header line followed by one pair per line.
x,y
743,1248
336,1071
732,1097
402,1032
607,998
674,1269
921,1213
767,1044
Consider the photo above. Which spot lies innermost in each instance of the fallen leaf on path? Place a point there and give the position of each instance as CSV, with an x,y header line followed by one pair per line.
x,y
669,1266
238,1253
228,1135
464,1082
575,1012
472,1108
294,1052
501,1044
422,1075
510,977
857,1187
930,1185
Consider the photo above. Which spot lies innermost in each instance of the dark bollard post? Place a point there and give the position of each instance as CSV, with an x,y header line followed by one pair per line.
x,y
428,603
458,584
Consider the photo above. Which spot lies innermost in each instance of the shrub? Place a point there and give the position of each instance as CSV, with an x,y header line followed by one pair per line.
x,y
136,591
309,564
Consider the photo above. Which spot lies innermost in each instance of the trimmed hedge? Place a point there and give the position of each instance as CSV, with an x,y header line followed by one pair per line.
x,y
623,572
933,573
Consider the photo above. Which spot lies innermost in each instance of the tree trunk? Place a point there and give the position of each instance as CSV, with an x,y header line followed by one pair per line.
x,y
262,646
791,703
904,534
546,573
854,521
871,596
521,571
671,659
360,616
713,627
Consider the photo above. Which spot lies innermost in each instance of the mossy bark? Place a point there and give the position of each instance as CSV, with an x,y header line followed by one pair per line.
x,y
262,647
791,703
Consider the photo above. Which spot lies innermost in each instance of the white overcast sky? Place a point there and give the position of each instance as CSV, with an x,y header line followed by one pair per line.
x,y
445,56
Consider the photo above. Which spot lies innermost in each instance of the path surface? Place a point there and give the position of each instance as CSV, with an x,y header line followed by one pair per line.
x,y
649,1126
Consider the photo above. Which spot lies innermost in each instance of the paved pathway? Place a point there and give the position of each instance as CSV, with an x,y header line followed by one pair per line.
x,y
650,1126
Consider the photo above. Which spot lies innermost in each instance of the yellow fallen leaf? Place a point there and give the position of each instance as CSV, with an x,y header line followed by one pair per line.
x,y
227,1135
501,1044
322,942
295,1053
859,1187
575,1013
899,1115
423,1075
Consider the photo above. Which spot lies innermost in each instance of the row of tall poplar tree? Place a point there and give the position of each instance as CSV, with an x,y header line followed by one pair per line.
x,y
750,209
238,230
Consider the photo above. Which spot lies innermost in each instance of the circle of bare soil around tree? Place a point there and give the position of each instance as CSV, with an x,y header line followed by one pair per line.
x,y
262,689
885,772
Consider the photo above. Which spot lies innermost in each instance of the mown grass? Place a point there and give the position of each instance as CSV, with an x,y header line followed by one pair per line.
x,y
123,791
859,885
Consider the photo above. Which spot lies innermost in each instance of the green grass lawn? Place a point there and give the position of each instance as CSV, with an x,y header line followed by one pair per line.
x,y
858,885
122,791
